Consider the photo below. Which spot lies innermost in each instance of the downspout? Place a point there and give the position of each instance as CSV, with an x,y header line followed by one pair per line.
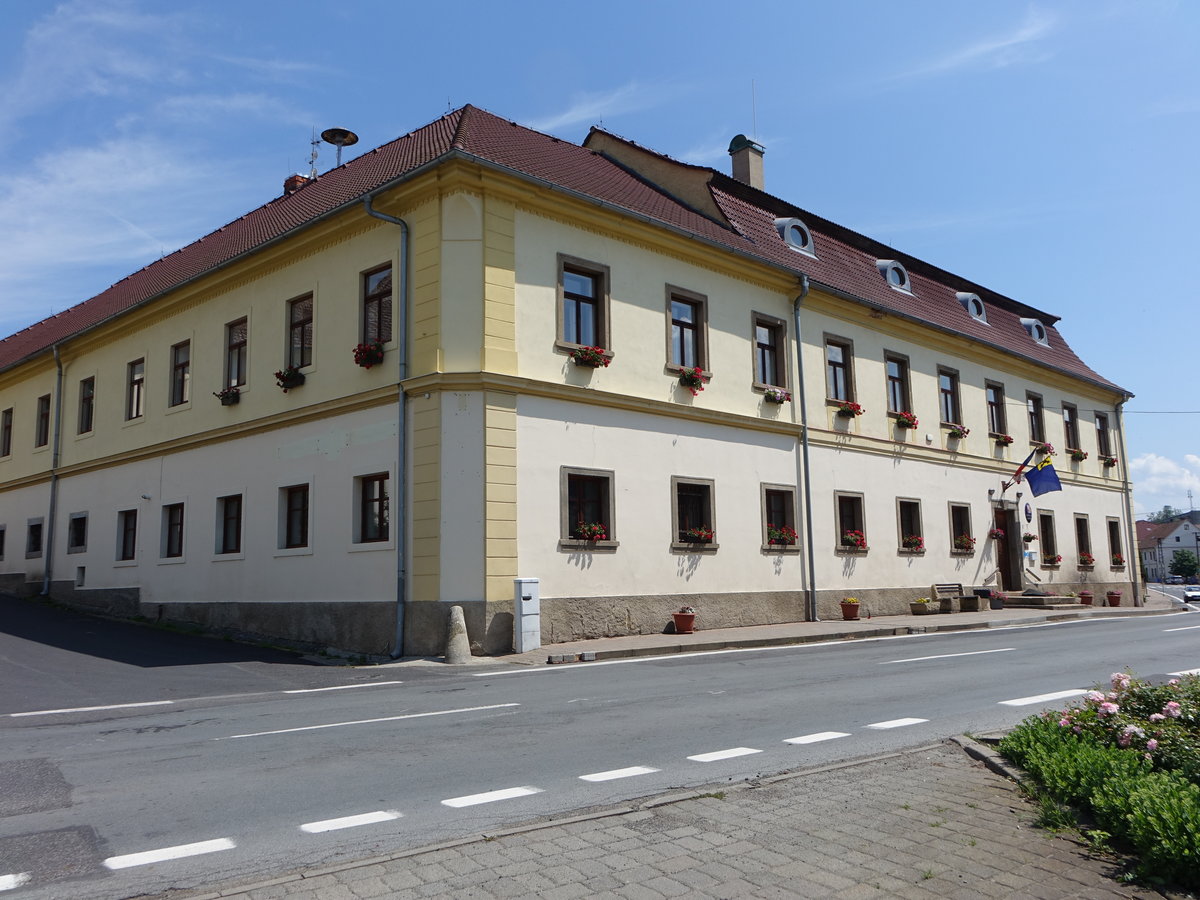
x,y
1130,532
48,542
400,493
810,602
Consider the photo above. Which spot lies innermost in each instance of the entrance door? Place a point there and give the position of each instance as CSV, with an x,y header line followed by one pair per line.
x,y
1008,560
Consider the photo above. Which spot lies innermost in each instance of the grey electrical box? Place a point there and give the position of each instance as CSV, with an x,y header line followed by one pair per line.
x,y
527,614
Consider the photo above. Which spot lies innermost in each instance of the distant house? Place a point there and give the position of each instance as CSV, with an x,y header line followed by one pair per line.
x,y
1158,544
480,352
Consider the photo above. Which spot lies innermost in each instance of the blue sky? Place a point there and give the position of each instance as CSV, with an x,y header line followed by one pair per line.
x,y
1047,151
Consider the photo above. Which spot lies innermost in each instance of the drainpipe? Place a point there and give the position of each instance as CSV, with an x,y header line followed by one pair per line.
x,y
400,518
810,601
48,542
1130,528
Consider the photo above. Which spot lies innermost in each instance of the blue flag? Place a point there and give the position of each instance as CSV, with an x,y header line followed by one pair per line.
x,y
1042,479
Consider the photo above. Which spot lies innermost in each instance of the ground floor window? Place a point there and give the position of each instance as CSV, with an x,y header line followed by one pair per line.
x,y
693,512
295,516
908,515
373,522
127,534
172,543
1114,542
851,522
779,515
1047,538
77,533
586,509
229,524
961,537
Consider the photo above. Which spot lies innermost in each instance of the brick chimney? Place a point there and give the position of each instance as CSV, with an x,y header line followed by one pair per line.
x,y
747,161
293,183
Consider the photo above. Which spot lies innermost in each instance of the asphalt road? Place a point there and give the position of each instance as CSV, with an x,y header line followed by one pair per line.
x,y
261,763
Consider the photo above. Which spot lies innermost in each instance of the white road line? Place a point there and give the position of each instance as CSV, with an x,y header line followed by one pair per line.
x,y
371,818
816,738
8,882
1042,698
342,687
614,774
1185,672
166,853
440,712
59,712
1185,628
946,656
723,754
897,723
491,796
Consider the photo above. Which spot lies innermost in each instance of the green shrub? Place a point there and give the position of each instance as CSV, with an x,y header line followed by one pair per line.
x,y
1164,826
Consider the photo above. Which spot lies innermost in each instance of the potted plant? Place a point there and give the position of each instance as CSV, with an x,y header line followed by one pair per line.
x,y
782,535
1086,598
913,542
1003,440
1029,537
591,531
958,432
1044,447
848,409
996,534
777,395
920,607
964,543
368,354
693,379
1078,455
1051,559
289,377
1109,461
229,396
907,420
685,620
1118,559
996,601
1114,598
591,357
854,540
699,535
849,609
1086,559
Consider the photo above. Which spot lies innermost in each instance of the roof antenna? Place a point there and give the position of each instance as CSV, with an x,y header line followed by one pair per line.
x,y
312,156
339,137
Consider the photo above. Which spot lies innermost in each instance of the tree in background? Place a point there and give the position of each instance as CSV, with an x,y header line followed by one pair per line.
x,y
1168,514
1184,563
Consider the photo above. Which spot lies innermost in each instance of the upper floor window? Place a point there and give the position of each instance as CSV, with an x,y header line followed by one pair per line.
x,y
839,381
6,420
1103,443
768,359
689,329
1037,425
236,339
181,372
949,407
582,310
87,405
300,331
898,394
997,420
1071,426
42,430
135,389
377,305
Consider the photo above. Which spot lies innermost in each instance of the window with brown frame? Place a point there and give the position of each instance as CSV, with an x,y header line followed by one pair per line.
x,y
851,522
839,374
77,529
181,372
961,536
1115,553
377,305
908,514
300,331
1083,535
33,538
688,321
6,425
1103,443
1037,425
779,516
237,336
769,370
42,426
898,390
135,389
948,397
373,511
229,520
1046,536
295,511
172,546
693,511
127,534
1071,426
582,310
87,405
997,417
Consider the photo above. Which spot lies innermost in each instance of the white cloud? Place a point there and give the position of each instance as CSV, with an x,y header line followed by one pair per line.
x,y
281,70
1159,481
193,108
591,108
996,52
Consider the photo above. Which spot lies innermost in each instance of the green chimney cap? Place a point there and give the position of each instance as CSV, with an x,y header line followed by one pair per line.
x,y
741,142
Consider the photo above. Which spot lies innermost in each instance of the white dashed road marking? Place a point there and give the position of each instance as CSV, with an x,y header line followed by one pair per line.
x,y
77,709
614,774
897,723
892,662
440,712
1185,628
1185,672
166,853
342,687
816,738
371,818
491,796
723,754
8,882
1042,698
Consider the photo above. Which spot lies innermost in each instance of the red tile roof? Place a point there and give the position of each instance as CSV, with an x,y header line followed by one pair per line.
x,y
845,260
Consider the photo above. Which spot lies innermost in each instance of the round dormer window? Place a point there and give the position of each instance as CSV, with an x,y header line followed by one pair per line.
x,y
796,235
1037,331
973,305
895,274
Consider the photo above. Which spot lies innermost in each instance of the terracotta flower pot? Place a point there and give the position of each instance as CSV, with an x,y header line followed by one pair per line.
x,y
849,611
1086,597
1114,598
685,623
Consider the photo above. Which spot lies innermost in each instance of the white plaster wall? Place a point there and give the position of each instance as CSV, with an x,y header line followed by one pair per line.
x,y
644,451
462,493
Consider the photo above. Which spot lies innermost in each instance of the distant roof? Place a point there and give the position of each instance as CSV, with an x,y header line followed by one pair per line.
x,y
846,261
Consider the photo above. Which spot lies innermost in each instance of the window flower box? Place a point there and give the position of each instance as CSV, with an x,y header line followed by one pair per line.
x,y
1029,537
1044,447
1108,461
289,377
1078,455
964,542
698,535
230,396
368,354
1052,559
907,420
777,395
693,379
854,540
591,357
1086,559
996,534
1003,440
913,542
1118,559
958,432
849,409
591,531
781,535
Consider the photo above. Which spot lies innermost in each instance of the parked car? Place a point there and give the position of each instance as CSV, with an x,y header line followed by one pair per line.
x,y
1173,579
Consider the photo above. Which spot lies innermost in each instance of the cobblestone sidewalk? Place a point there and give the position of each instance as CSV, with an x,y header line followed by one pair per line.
x,y
926,823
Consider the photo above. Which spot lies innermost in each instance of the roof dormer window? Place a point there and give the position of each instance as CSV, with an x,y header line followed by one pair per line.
x,y
973,305
895,274
796,235
1037,331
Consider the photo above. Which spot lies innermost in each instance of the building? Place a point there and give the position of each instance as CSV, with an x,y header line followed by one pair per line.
x,y
154,464
1159,542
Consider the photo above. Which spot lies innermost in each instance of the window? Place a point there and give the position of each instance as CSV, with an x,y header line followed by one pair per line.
x,y
77,533
6,419
33,538
3,530
295,516
87,405
172,542
587,508
769,370
898,393
961,537
1083,536
851,525
1037,426
908,513
1037,331
42,429
693,511
839,380
582,303
997,419
973,305
895,274
948,396
127,534
377,305
229,524
1103,444
1071,426
689,329
779,516
300,331
1114,542
373,508
135,389
236,338
796,235
181,361
1046,536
